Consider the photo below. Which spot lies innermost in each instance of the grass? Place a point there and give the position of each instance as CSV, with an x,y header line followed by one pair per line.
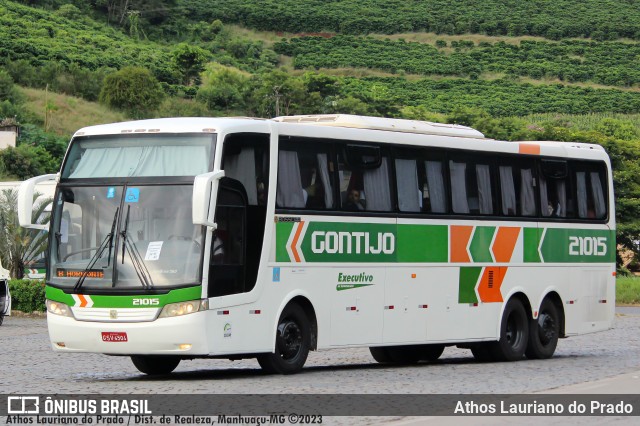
x,y
70,113
628,291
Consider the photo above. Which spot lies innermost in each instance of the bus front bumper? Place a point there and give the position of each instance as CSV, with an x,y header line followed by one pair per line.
x,y
184,335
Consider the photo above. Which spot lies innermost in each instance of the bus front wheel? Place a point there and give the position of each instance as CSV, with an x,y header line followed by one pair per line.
x,y
155,364
293,340
514,333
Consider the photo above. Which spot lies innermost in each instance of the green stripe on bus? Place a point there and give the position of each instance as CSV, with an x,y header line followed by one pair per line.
x,y
423,243
349,242
413,243
283,230
480,247
531,240
578,245
467,284
102,301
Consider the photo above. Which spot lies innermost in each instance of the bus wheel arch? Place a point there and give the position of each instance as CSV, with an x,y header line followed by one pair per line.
x,y
294,338
546,328
309,310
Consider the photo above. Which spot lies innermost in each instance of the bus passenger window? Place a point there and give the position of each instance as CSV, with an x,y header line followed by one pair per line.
x,y
304,179
516,191
409,193
246,160
553,198
435,197
364,187
590,194
459,201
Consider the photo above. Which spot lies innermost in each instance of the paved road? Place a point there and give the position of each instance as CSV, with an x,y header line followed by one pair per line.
x,y
30,366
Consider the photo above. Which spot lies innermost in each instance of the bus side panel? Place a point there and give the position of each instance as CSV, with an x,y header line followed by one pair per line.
x,y
592,303
357,305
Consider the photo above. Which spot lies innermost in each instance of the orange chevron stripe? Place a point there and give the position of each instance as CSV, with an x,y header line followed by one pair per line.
x,y
83,301
490,283
505,243
296,255
459,240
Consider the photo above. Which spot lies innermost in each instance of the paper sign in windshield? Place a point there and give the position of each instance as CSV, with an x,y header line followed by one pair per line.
x,y
153,251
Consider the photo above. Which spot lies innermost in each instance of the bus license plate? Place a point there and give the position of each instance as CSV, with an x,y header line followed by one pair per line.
x,y
114,336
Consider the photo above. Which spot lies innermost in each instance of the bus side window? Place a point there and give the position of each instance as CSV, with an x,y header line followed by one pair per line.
x,y
408,187
471,186
246,160
434,188
517,196
556,199
590,193
304,177
365,180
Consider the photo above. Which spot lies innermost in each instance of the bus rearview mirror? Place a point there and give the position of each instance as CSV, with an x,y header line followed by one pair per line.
x,y
25,201
203,206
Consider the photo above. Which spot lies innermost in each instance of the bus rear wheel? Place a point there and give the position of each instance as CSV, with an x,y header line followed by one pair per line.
x,y
482,352
380,354
544,332
431,352
514,333
155,364
293,340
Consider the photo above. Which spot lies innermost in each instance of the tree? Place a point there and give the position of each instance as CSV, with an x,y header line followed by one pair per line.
x,y
132,89
27,161
223,88
19,246
189,61
278,93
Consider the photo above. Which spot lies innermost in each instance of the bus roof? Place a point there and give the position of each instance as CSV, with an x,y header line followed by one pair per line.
x,y
379,123
349,127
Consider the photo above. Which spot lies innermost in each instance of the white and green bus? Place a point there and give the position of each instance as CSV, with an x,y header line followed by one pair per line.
x,y
175,239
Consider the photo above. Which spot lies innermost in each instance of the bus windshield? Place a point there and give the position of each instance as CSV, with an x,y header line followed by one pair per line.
x,y
115,226
120,156
129,236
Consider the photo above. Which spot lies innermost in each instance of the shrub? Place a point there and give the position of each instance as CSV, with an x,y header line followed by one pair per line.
x,y
27,295
132,89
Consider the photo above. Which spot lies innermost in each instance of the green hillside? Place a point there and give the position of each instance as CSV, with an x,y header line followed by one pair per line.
x,y
598,19
515,70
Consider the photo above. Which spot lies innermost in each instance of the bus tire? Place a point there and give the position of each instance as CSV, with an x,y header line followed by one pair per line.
x,y
482,352
514,333
380,354
409,354
293,340
431,352
155,364
544,332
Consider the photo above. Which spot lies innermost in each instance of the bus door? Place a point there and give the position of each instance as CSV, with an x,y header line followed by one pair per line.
x,y
227,262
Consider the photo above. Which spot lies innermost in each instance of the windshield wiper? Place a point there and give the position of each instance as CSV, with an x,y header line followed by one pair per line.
x,y
136,260
101,248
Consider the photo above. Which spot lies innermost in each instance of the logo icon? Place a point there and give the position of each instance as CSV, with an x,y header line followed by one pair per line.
x,y
113,314
227,330
111,192
133,195
23,405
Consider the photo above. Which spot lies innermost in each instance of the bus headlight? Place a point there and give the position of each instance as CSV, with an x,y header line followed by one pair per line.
x,y
184,308
58,308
